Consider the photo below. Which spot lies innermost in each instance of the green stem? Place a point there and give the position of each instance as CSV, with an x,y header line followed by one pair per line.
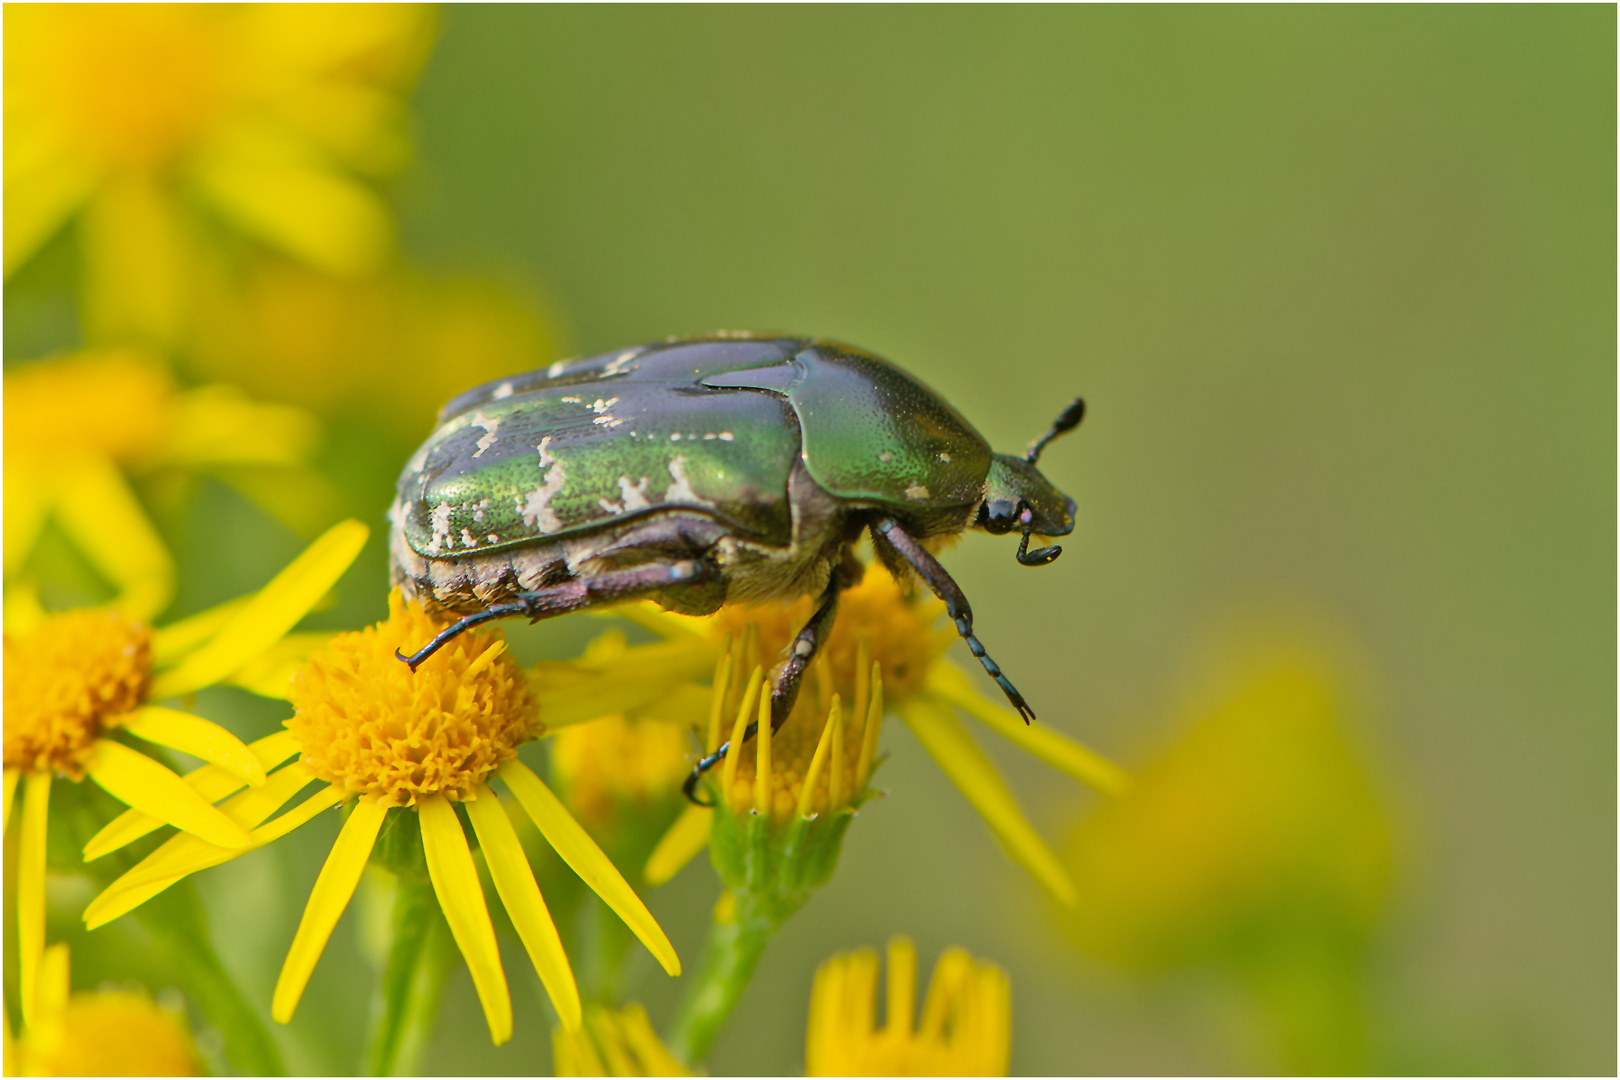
x,y
407,999
733,950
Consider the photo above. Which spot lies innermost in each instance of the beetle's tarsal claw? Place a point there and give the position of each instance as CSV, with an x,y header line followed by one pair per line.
x,y
1038,557
408,661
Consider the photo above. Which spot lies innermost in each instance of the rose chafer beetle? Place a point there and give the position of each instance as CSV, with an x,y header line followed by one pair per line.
x,y
706,471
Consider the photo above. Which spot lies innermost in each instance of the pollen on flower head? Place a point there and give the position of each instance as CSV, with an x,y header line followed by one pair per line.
x,y
67,682
368,724
900,633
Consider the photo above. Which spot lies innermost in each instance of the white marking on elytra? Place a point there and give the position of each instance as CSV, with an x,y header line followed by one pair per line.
x,y
493,537
675,437
545,455
726,436
681,490
468,539
916,491
479,509
611,507
572,400
490,425
502,391
945,456
536,506
556,369
885,457
616,365
441,528
635,495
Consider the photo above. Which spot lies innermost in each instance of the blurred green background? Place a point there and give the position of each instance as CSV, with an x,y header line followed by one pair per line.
x,y
1339,286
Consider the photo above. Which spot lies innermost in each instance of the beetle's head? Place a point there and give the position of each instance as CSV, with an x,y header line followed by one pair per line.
x,y
1017,496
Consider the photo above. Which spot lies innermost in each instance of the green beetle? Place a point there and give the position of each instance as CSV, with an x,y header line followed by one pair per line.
x,y
704,471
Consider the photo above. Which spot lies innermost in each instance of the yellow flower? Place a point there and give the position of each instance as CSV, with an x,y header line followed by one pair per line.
x,y
394,345
883,647
78,680
156,123
966,1020
77,424
368,728
613,1043
105,1033
1260,819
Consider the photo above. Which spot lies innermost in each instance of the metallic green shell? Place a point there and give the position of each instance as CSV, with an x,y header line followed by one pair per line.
x,y
712,425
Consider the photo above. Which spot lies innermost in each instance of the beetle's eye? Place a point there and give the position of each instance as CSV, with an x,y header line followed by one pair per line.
x,y
1000,515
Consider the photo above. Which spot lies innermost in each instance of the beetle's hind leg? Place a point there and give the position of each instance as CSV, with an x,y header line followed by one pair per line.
x,y
887,532
785,689
609,588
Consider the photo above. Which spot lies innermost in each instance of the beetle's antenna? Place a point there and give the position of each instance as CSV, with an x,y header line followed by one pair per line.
x,y
1066,422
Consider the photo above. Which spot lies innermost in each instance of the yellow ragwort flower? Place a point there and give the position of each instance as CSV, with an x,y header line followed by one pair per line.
x,y
154,123
369,729
76,682
77,425
966,1021
613,1042
884,647
104,1033
1258,820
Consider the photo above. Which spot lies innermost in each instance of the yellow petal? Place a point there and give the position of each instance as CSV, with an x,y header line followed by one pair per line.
x,y
41,193
655,1058
688,836
221,424
54,985
580,852
28,500
961,759
31,888
137,262
185,854
333,888
266,618
195,736
835,720
455,882
762,757
575,691
211,782
275,191
11,793
902,1000
136,780
514,881
171,642
870,731
1057,750
95,507
270,674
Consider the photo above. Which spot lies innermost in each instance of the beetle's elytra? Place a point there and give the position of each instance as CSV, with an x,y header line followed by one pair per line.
x,y
702,471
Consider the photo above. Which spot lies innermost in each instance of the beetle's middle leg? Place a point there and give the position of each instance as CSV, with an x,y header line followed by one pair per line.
x,y
886,532
785,690
607,588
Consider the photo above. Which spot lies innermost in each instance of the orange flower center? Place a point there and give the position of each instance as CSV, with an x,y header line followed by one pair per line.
x,y
370,725
67,682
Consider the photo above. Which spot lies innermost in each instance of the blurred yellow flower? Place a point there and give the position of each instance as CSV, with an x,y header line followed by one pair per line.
x,y
76,681
876,626
155,124
966,1026
77,424
613,1042
395,345
1260,818
367,727
105,1033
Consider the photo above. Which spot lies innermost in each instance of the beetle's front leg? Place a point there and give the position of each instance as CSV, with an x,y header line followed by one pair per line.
x,y
887,531
785,689
576,595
